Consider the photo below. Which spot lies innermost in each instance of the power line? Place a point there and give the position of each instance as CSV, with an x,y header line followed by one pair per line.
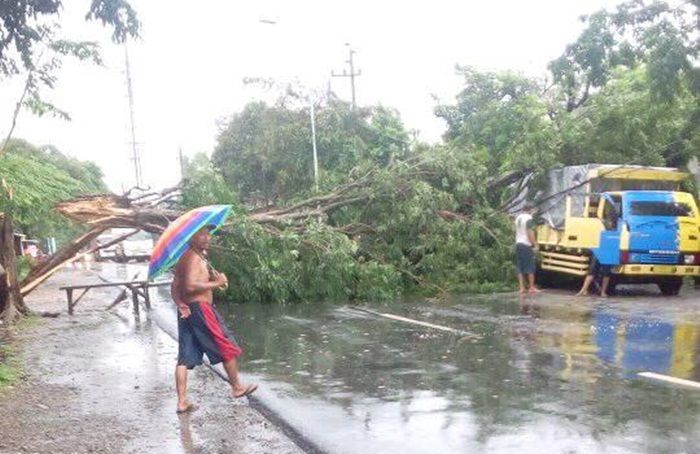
x,y
352,74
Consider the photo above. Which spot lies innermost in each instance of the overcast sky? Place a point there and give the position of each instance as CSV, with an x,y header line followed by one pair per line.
x,y
188,67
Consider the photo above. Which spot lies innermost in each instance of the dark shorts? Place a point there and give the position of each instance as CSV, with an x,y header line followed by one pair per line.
x,y
597,269
525,259
204,332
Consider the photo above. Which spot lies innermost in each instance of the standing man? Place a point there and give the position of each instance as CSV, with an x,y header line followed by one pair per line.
x,y
200,327
525,244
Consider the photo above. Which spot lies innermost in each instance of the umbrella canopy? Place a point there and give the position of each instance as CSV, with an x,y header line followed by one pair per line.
x,y
175,239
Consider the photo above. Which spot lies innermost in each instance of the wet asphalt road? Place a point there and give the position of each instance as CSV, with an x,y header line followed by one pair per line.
x,y
550,373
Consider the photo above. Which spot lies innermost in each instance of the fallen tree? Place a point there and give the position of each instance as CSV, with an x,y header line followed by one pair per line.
x,y
375,187
153,211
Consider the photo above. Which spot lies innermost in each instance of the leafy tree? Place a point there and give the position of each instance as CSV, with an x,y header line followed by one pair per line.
x,y
502,120
265,152
35,179
27,25
31,45
637,31
203,185
624,123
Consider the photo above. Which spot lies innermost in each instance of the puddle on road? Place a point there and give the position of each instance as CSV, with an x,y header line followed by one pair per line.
x,y
551,371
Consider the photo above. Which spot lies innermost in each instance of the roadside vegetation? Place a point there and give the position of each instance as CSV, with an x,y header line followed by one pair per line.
x,y
8,368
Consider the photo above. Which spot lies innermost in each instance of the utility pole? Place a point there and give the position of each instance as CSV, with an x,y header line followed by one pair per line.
x,y
352,74
313,143
135,152
182,164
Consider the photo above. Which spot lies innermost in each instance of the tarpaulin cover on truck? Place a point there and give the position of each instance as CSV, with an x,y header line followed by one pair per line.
x,y
582,180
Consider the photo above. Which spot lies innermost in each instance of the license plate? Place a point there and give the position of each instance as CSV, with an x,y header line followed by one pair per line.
x,y
664,269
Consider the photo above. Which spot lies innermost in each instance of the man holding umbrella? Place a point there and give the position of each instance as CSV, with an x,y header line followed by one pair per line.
x,y
200,327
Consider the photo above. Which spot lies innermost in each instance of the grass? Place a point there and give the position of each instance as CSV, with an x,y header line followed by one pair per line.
x,y
28,321
9,367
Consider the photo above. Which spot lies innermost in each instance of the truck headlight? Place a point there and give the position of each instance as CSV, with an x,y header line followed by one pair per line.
x,y
689,259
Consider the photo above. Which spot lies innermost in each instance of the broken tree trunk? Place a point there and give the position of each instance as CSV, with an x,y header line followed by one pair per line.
x,y
45,270
13,304
66,255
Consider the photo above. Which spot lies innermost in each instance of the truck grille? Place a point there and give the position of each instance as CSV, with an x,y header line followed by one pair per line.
x,y
654,258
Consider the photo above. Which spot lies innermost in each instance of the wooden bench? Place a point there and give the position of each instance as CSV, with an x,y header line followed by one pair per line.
x,y
137,288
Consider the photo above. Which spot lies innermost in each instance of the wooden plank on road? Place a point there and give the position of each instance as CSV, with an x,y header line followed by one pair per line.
x,y
399,318
670,379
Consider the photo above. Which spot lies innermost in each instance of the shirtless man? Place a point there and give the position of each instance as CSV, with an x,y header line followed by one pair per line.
x,y
200,327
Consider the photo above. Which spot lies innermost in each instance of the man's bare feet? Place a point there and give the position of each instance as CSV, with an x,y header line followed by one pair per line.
x,y
185,407
534,290
603,295
582,293
242,391
522,291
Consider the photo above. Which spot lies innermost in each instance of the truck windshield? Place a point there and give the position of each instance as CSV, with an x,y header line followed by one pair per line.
x,y
660,209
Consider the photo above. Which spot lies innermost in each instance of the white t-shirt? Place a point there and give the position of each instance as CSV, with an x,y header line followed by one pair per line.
x,y
521,227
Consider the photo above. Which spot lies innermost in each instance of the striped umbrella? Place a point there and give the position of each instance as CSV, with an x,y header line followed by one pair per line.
x,y
175,239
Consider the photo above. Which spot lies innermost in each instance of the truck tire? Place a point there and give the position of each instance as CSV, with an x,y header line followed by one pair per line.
x,y
670,287
544,278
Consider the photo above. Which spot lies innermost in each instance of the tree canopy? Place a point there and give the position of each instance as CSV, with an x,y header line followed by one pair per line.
x,y
656,33
31,44
34,179
26,26
265,152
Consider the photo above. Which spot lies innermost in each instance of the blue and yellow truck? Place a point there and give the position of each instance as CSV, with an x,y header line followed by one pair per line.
x,y
632,217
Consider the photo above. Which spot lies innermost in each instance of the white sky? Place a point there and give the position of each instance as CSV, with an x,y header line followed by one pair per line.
x,y
188,67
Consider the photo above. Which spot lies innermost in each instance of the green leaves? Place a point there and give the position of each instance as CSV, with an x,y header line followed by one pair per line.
x,y
28,30
662,37
501,120
265,152
39,178
118,14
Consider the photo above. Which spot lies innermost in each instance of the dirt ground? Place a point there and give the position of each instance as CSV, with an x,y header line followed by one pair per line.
x,y
101,382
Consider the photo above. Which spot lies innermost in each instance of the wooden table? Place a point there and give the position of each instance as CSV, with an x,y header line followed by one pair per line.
x,y
138,288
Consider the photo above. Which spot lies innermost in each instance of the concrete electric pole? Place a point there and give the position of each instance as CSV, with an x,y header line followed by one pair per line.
x,y
135,152
352,74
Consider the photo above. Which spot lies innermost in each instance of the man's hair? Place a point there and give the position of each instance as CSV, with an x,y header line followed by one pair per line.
x,y
529,206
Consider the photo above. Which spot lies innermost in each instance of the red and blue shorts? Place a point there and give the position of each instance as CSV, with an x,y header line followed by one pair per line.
x,y
204,332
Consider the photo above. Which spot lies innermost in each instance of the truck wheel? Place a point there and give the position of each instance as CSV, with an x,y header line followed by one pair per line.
x,y
544,278
670,287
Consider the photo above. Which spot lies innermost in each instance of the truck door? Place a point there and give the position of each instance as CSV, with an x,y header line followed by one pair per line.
x,y
608,250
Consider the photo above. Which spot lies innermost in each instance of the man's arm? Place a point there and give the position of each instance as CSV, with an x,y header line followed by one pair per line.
x,y
176,293
531,232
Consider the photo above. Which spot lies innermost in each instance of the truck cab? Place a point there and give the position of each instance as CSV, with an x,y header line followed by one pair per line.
x,y
643,225
654,240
